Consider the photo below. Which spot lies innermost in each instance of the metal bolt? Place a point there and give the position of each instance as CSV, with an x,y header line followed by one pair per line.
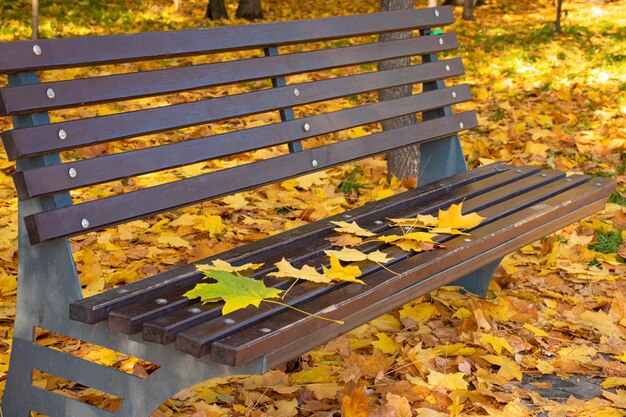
x,y
436,12
543,175
50,93
598,184
121,290
296,92
72,172
160,301
84,223
440,41
448,68
265,329
461,125
568,179
468,240
62,134
37,49
306,127
454,94
194,310
346,216
378,222
229,321
519,171
314,162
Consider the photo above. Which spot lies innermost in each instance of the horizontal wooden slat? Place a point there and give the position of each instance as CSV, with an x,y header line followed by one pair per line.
x,y
196,340
63,53
44,139
163,329
254,342
51,179
95,215
485,257
80,92
96,307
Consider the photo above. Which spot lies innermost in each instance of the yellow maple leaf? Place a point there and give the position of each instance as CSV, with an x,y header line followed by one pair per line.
x,y
386,344
354,255
352,228
307,181
399,404
450,382
498,343
174,241
345,240
337,272
420,313
508,368
236,202
581,354
613,382
220,265
308,273
454,218
213,224
414,236
421,220
379,257
104,356
535,330
355,403
601,322
621,358
544,367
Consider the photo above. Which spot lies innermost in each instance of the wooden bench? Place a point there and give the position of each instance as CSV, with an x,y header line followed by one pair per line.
x,y
150,318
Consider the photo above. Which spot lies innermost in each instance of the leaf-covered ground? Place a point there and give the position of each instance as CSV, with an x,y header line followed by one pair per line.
x,y
557,308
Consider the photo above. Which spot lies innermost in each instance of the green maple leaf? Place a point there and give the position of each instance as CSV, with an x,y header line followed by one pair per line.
x,y
236,291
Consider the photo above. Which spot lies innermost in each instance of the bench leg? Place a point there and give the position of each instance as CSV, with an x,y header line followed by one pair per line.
x,y
477,282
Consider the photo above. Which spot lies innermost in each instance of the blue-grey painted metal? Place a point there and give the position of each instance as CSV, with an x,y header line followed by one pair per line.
x,y
444,157
478,281
48,282
286,113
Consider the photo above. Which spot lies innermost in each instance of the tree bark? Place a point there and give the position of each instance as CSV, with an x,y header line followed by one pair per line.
x,y
35,19
216,9
468,10
557,24
249,9
404,162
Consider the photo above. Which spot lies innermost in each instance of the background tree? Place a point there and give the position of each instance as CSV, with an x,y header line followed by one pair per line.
x,y
468,6
559,6
404,162
247,9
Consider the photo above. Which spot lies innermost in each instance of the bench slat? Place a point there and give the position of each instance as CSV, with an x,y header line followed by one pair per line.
x,y
98,214
95,308
424,285
80,92
164,328
39,140
51,179
254,342
76,52
197,340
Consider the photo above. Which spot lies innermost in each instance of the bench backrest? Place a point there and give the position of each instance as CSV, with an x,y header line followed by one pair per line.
x,y
26,96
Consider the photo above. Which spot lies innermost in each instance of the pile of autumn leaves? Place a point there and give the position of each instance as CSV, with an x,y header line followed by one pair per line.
x,y
239,291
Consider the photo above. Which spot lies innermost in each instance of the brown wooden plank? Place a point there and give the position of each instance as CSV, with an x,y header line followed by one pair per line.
x,y
197,340
47,180
39,140
80,92
292,350
74,52
166,326
95,308
255,341
97,214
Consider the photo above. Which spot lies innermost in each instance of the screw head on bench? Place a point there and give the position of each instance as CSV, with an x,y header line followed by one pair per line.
x,y
306,127
72,172
346,216
440,41
84,223
436,12
36,49
194,310
467,240
50,93
454,94
121,290
62,134
228,320
378,222
160,301
448,68
568,179
314,162
543,175
296,92
461,125
265,329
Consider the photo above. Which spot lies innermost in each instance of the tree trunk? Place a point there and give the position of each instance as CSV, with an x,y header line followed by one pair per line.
x,y
249,9
433,3
468,10
559,6
404,162
35,19
216,9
